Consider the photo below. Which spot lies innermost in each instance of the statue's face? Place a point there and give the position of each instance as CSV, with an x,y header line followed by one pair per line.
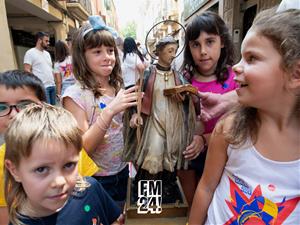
x,y
167,54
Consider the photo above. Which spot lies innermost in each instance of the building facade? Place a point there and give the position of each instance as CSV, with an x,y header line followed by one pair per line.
x,y
21,19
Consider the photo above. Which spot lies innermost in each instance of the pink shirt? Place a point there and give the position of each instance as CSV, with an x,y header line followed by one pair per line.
x,y
214,87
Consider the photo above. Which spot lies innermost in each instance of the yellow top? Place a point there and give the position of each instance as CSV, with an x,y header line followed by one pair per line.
x,y
86,167
2,198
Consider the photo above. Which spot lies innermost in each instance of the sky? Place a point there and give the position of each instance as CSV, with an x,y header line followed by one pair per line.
x,y
126,11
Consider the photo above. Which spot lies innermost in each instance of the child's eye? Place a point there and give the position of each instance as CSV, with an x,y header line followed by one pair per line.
x,y
111,50
41,170
70,165
251,58
210,41
194,44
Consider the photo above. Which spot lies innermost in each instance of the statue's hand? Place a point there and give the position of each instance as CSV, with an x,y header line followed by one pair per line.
x,y
178,97
135,121
195,148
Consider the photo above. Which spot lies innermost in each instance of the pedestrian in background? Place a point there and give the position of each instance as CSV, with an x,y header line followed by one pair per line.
x,y
132,63
63,70
38,61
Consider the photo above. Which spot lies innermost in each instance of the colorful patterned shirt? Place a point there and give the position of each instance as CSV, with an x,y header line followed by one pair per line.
x,y
108,154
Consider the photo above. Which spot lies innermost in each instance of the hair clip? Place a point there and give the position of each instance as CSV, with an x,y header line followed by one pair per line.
x,y
97,23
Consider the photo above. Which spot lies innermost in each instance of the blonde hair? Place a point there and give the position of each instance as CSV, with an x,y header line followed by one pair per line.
x,y
41,122
282,29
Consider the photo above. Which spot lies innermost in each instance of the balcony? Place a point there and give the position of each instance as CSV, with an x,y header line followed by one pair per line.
x,y
80,9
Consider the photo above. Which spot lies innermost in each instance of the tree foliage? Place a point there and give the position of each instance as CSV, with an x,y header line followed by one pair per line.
x,y
129,30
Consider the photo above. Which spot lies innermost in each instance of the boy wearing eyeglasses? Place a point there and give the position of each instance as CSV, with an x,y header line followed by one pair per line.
x,y
18,89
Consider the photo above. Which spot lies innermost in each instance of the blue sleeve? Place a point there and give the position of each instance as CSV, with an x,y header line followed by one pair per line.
x,y
110,208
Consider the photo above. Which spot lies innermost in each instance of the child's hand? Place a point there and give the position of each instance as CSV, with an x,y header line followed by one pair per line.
x,y
123,100
135,121
194,149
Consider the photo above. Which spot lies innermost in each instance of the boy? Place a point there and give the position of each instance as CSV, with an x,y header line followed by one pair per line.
x,y
17,90
41,133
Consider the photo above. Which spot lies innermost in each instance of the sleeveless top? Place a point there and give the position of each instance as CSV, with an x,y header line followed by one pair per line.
x,y
256,190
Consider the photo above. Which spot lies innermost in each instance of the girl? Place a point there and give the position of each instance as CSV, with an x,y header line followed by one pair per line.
x,y
252,170
42,188
63,71
133,62
97,103
208,57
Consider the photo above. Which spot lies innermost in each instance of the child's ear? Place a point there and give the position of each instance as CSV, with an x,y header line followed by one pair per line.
x,y
10,166
295,78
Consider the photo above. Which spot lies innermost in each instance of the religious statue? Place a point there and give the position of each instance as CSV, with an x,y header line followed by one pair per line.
x,y
168,121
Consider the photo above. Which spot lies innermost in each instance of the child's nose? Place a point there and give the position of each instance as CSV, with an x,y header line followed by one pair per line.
x,y
203,50
59,180
237,68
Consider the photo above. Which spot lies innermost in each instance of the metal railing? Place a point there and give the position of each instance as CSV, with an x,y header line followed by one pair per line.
x,y
86,4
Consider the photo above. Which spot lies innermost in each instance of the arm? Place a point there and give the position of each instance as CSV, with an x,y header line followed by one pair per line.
x,y
27,67
3,215
119,221
140,67
58,83
93,135
213,105
215,162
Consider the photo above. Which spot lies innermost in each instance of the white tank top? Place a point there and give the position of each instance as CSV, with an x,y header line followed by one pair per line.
x,y
256,190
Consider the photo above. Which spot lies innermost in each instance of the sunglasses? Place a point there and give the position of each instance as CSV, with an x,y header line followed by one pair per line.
x,y
5,109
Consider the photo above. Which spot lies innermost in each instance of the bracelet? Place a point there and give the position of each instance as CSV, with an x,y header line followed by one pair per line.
x,y
99,126
103,121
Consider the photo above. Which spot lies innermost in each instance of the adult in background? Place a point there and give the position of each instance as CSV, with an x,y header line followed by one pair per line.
x,y
38,61
63,71
132,63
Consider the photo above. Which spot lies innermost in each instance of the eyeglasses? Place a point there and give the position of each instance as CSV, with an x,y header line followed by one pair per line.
x,y
6,109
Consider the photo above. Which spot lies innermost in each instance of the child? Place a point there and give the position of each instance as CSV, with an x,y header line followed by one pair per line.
x,y
97,102
18,89
208,57
63,71
252,171
42,188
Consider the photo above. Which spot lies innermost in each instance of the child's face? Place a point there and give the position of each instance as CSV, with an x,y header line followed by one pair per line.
x,y
259,74
12,97
167,54
206,50
48,176
101,60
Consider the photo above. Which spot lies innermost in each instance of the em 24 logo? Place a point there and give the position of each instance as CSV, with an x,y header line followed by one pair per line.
x,y
149,197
